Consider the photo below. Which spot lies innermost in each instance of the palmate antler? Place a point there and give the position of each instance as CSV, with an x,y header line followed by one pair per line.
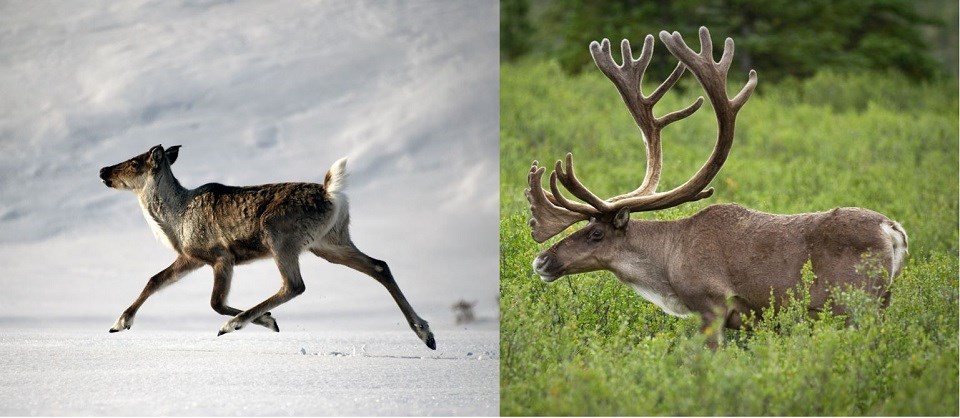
x,y
552,212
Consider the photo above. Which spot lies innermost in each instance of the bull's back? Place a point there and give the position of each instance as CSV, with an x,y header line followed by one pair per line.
x,y
758,252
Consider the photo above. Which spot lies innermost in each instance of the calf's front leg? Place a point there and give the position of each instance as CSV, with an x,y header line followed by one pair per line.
x,y
180,267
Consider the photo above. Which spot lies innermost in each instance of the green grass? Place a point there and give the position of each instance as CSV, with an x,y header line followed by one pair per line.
x,y
587,345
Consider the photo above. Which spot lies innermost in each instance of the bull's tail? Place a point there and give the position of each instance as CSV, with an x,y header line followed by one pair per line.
x,y
899,243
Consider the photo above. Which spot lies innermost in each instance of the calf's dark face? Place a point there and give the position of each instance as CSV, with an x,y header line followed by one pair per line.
x,y
589,249
133,173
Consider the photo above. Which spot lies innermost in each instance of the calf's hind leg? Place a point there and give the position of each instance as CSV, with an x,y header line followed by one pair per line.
x,y
222,276
289,265
348,255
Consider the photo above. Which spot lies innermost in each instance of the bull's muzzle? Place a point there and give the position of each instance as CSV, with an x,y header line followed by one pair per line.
x,y
544,265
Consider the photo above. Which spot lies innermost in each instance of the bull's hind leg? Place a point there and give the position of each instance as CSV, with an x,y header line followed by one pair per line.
x,y
222,276
180,267
348,255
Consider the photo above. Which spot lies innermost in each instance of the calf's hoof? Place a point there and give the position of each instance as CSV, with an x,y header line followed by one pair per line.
x,y
123,322
267,321
423,331
231,325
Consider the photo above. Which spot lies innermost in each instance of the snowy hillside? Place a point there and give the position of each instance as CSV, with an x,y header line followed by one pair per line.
x,y
256,92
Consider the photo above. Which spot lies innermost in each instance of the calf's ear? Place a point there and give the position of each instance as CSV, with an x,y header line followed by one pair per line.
x,y
172,153
155,155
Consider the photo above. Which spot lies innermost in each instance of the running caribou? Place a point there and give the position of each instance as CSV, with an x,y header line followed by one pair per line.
x,y
725,260
222,226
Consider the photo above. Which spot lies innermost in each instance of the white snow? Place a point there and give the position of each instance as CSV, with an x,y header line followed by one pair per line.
x,y
256,92
70,372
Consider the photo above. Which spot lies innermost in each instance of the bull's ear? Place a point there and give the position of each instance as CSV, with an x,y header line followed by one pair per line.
x,y
172,153
623,217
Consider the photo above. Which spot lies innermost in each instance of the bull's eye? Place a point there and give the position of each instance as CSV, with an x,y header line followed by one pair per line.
x,y
136,164
596,235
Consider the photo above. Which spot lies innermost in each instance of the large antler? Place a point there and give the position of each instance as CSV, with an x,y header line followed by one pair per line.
x,y
552,212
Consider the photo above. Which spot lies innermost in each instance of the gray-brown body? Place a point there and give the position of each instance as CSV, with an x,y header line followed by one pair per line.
x,y
726,260
223,226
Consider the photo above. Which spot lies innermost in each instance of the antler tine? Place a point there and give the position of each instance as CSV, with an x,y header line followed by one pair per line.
x,y
741,98
548,219
646,54
727,58
571,183
562,200
668,83
706,44
674,116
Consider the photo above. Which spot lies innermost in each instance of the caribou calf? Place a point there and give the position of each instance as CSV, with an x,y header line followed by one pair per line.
x,y
724,261
223,226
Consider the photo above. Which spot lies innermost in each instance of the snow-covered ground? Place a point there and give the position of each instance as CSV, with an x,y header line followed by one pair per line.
x,y
69,372
256,92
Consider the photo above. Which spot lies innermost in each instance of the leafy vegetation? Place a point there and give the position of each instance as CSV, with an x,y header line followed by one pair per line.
x,y
587,345
785,38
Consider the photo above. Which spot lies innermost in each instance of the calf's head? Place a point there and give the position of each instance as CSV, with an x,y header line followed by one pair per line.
x,y
134,173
